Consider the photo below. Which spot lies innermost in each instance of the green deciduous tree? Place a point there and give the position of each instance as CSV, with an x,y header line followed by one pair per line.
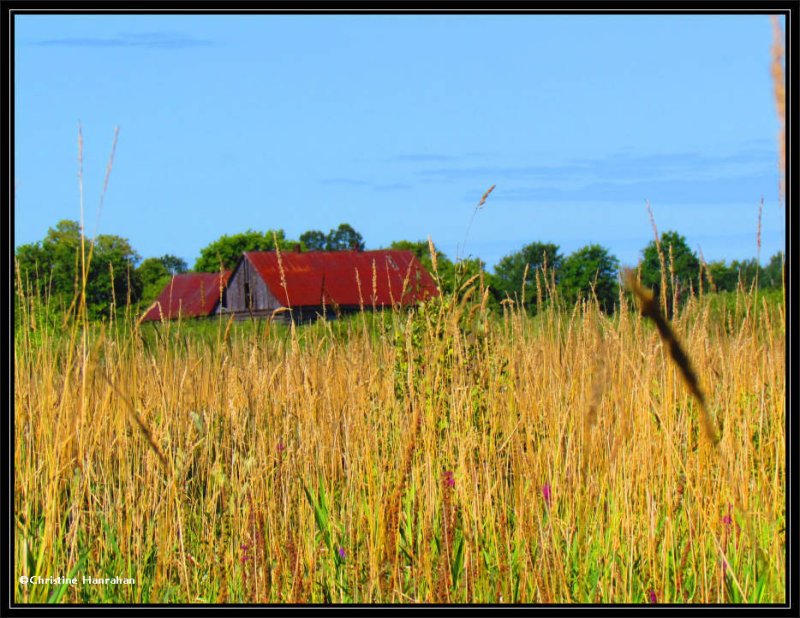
x,y
450,275
225,252
421,249
724,277
590,271
174,264
52,268
344,238
155,273
728,277
772,274
313,240
746,272
510,271
684,264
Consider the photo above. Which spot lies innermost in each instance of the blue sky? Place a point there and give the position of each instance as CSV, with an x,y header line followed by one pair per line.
x,y
398,125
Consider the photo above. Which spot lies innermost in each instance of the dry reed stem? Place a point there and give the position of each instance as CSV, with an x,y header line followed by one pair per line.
x,y
103,192
485,195
780,99
650,310
432,250
524,282
280,267
109,167
672,283
663,295
472,218
758,236
80,187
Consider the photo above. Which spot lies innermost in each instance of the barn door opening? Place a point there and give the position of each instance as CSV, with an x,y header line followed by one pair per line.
x,y
248,297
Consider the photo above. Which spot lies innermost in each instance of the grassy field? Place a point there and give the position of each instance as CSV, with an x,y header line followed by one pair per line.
x,y
445,454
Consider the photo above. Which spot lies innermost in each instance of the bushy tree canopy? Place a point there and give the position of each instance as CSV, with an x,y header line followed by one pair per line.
x,y
510,270
313,240
587,269
685,265
155,273
722,275
450,275
51,268
152,270
224,253
772,274
727,277
173,264
421,249
344,238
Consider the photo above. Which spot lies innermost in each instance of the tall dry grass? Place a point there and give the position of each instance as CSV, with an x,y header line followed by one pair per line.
x,y
442,455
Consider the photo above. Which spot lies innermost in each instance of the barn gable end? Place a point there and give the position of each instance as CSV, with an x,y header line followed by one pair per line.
x,y
247,293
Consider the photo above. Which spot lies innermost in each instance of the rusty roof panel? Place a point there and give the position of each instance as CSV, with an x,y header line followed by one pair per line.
x,y
190,295
381,278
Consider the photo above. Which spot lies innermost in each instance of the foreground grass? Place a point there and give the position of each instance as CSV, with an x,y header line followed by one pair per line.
x,y
441,455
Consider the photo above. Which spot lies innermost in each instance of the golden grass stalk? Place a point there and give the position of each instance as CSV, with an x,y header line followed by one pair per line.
x,y
663,294
432,250
148,434
672,283
280,267
705,268
485,195
524,283
478,207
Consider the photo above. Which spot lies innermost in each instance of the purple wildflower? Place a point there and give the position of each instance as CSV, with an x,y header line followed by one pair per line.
x,y
281,446
651,596
547,494
449,479
341,553
728,520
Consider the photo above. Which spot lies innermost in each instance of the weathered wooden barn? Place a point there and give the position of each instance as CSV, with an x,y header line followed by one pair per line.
x,y
189,295
317,283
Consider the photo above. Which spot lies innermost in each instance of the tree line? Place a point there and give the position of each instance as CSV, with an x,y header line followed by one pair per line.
x,y
118,276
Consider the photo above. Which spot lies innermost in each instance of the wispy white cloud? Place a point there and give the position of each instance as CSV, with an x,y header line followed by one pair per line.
x,y
673,176
420,158
355,182
152,40
666,177
395,186
620,167
742,188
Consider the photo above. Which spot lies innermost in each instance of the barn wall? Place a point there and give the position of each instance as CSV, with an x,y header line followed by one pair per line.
x,y
263,300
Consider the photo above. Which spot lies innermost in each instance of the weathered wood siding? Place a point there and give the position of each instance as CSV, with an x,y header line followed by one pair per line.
x,y
246,278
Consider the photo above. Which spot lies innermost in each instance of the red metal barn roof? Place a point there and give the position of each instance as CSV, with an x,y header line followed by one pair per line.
x,y
334,277
190,294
